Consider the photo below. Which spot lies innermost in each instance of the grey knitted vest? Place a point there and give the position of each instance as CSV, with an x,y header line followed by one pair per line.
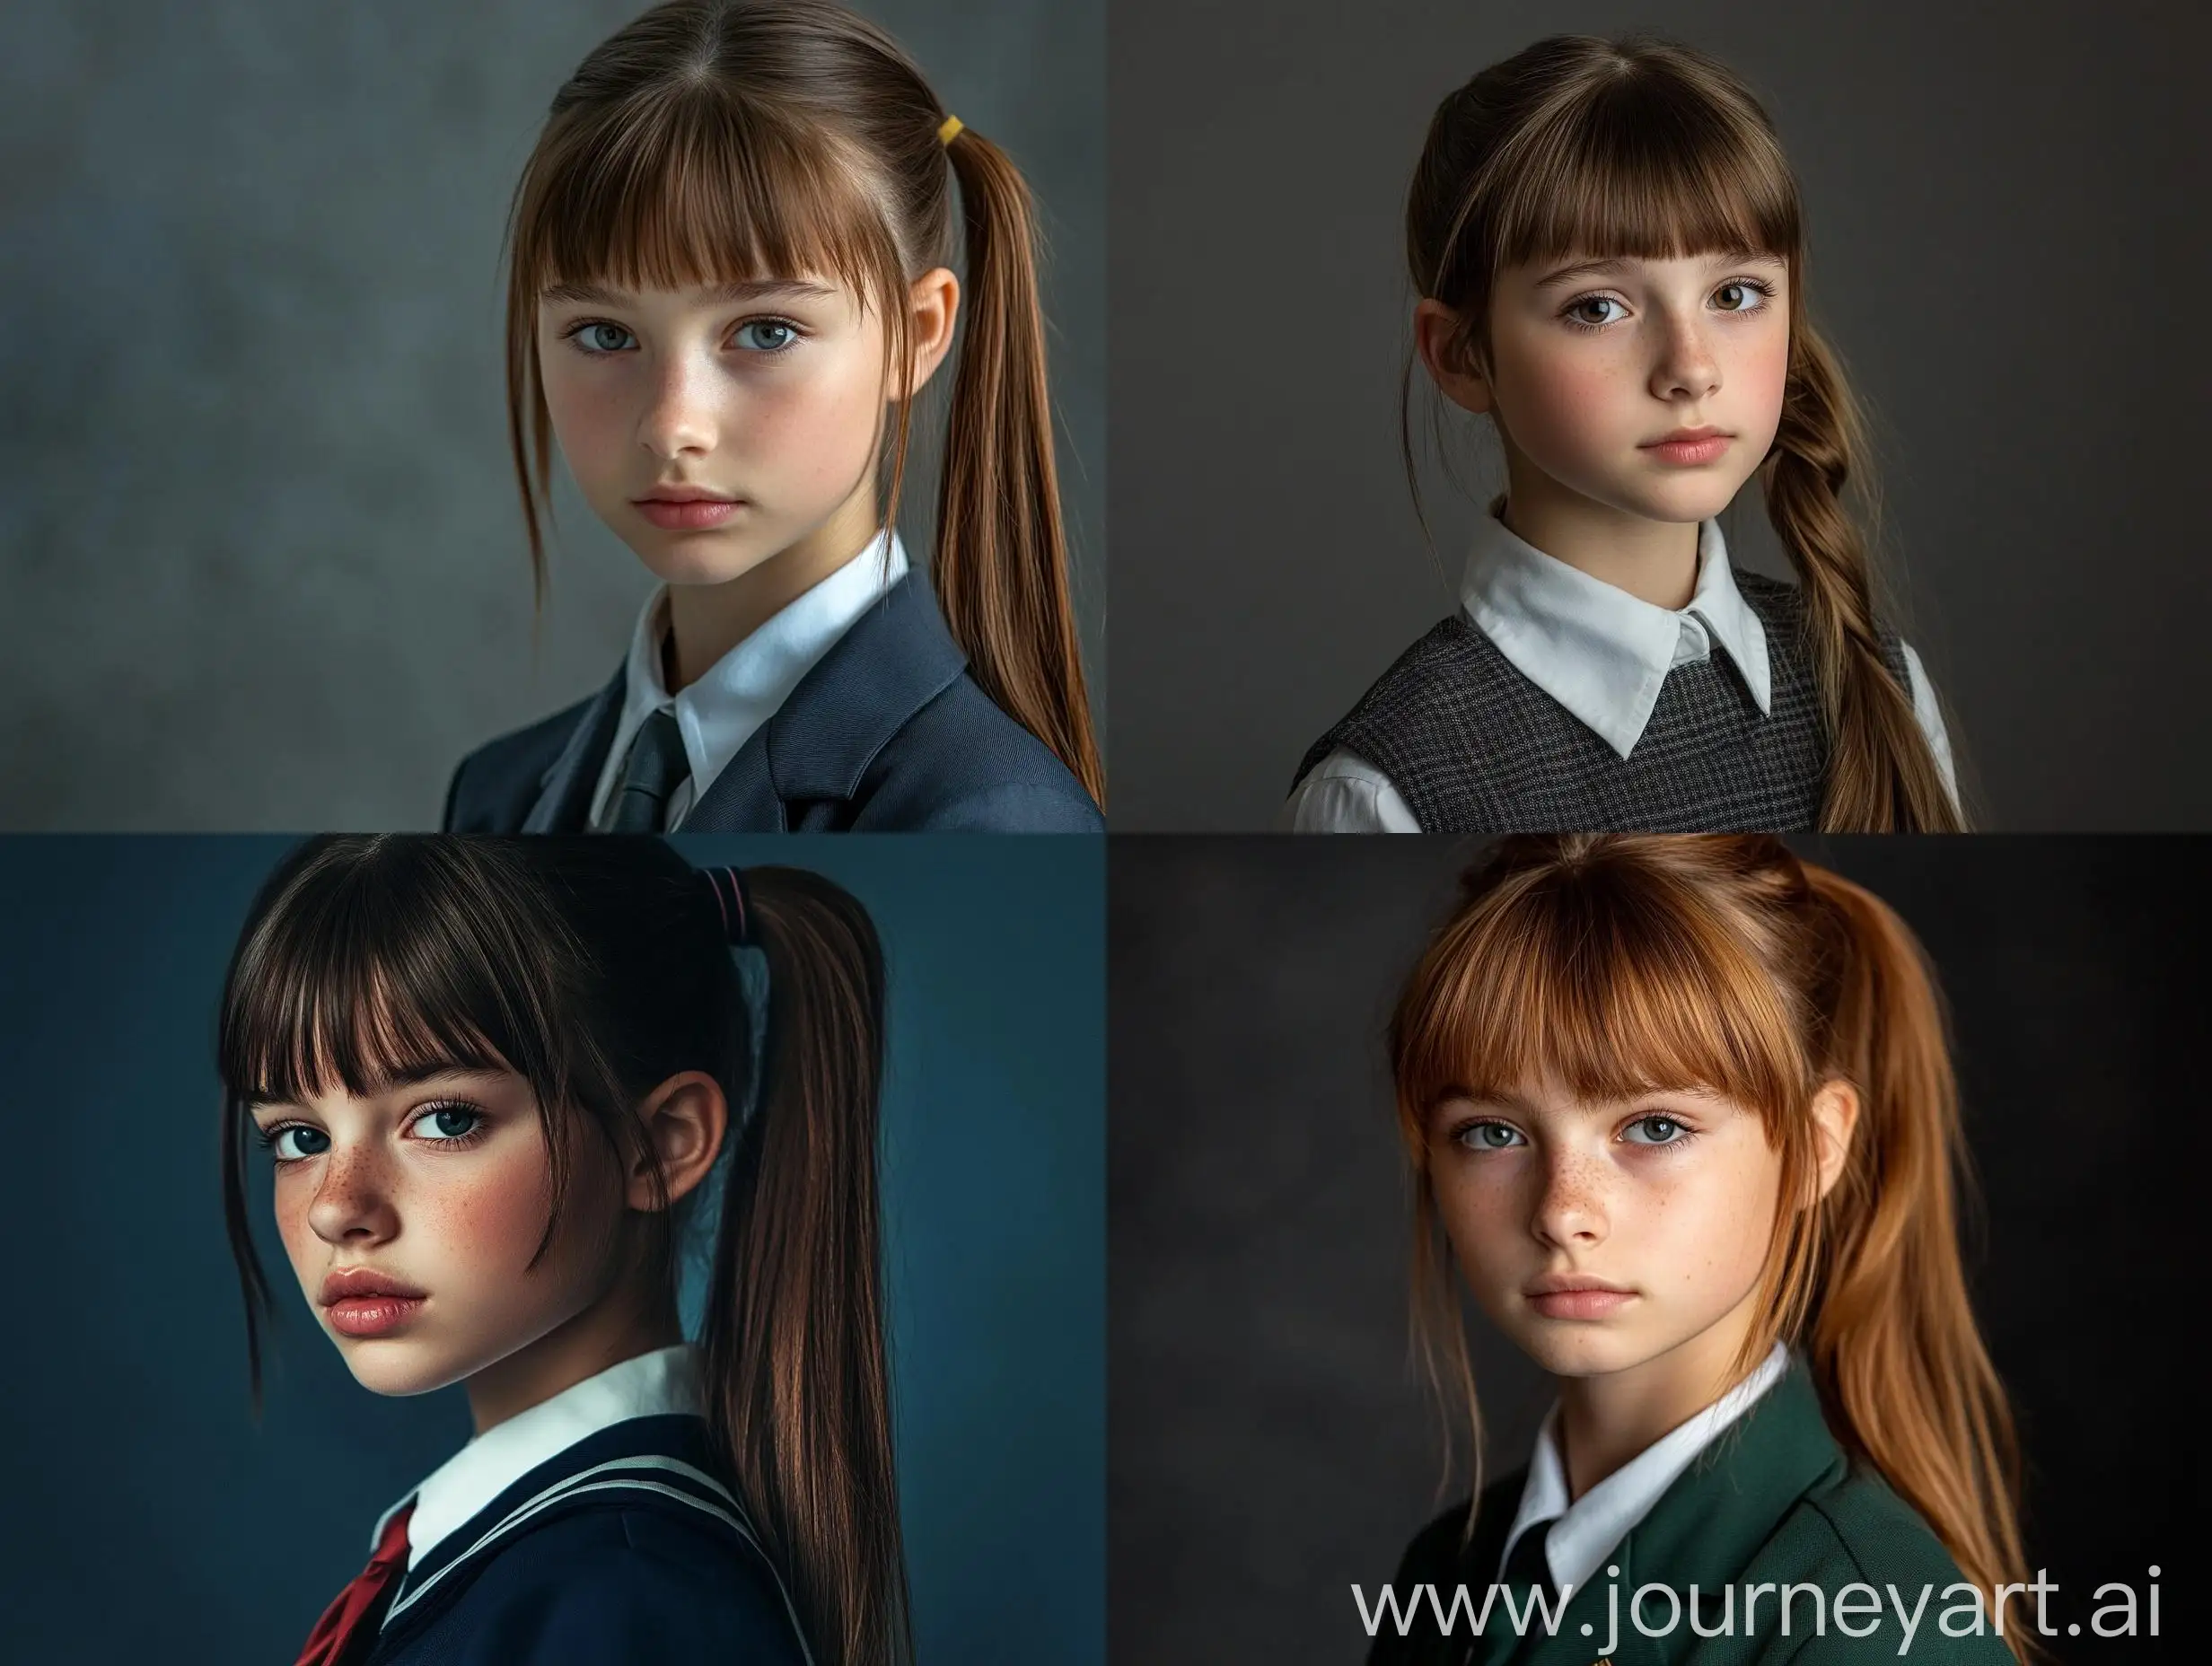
x,y
1474,746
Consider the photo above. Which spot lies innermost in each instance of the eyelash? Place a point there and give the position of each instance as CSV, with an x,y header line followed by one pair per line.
x,y
1765,291
574,333
269,1136
1684,1133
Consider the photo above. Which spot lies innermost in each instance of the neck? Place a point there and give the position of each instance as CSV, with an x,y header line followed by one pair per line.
x,y
637,1316
1654,561
706,621
1607,1420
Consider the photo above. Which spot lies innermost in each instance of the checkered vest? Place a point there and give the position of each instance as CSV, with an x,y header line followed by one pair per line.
x,y
1474,746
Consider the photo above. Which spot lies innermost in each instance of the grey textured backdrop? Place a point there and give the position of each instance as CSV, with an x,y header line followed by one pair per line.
x,y
261,562
1268,1444
1997,197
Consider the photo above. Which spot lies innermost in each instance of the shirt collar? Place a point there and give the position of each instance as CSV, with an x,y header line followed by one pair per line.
x,y
647,1386
742,691
1592,646
1589,1528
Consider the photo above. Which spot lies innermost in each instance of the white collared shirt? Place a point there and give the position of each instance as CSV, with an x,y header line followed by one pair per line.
x,y
1590,1528
647,1386
1601,653
743,689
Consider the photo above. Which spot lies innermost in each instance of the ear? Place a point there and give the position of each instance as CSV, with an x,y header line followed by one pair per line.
x,y
1835,1114
933,308
1446,355
683,1122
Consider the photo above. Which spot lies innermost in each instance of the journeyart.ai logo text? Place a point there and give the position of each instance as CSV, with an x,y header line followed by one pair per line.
x,y
1855,1610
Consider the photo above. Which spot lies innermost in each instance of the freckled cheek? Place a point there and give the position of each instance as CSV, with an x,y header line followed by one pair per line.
x,y
477,1226
809,433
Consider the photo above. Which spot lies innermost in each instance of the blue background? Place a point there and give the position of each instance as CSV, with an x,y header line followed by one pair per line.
x,y
150,1518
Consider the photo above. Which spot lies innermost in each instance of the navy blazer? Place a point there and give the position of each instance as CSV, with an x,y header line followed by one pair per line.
x,y
624,1547
886,734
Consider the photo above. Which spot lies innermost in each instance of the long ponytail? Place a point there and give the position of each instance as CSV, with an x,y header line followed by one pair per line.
x,y
1901,1369
1618,962
1001,562
799,1398
1881,773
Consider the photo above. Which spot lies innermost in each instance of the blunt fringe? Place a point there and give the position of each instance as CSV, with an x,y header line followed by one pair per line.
x,y
596,970
1618,964
728,141
1644,148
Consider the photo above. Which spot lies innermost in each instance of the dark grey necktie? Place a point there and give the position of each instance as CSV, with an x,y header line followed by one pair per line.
x,y
658,767
1528,1564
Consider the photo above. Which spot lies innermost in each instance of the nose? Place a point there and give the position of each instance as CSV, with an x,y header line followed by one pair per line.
x,y
1570,1208
354,1203
679,415
1686,368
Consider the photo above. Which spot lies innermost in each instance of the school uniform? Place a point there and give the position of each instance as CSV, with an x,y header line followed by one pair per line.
x,y
1554,701
595,1527
1751,1491
849,709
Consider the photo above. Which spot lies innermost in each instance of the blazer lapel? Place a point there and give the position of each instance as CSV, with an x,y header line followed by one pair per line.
x,y
897,658
564,791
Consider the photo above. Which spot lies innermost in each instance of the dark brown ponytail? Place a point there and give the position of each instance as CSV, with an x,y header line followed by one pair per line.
x,y
1881,773
596,968
800,1399
1001,566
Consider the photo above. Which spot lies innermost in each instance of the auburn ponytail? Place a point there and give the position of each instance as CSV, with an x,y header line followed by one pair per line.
x,y
1001,562
1902,1372
798,1384
1619,963
1881,773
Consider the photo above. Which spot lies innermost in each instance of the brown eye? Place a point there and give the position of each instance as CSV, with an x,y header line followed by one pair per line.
x,y
1592,311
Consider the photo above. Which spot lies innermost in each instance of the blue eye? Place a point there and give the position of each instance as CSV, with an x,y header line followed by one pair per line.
x,y
1666,1131
1478,1136
597,339
449,1122
295,1141
767,335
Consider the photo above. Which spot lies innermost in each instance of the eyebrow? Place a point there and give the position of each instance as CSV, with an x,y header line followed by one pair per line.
x,y
1619,264
750,289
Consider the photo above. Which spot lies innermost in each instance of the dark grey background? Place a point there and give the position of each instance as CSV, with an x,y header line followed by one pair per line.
x,y
149,1516
2006,220
261,559
1269,1444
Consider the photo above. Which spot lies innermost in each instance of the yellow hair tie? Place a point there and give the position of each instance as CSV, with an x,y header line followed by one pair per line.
x,y
949,129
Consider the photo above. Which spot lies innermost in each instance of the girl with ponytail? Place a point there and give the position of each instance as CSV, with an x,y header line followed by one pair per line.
x,y
1679,1112
729,279
498,1080
1610,255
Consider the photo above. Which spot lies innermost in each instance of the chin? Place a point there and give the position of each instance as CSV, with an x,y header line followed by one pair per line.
x,y
397,1368
698,557
1580,1347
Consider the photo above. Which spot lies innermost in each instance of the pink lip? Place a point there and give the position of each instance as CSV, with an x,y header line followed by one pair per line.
x,y
1690,445
372,1316
1581,1303
688,514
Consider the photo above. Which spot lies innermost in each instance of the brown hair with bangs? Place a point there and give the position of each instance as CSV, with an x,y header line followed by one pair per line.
x,y
716,140
1617,964
596,970
1644,148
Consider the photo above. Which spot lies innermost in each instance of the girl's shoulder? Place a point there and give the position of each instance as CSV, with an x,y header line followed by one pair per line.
x,y
630,1581
1858,1532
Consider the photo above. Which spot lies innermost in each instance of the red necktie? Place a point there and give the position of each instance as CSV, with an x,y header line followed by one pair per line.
x,y
350,1611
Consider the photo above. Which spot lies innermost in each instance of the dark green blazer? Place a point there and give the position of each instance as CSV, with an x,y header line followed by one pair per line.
x,y
1771,1501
